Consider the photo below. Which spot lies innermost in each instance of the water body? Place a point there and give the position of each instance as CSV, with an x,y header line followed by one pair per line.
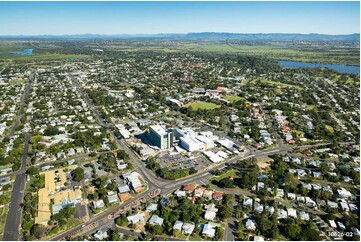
x,y
347,69
25,52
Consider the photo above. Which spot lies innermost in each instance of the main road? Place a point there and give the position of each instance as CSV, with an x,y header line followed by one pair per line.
x,y
12,224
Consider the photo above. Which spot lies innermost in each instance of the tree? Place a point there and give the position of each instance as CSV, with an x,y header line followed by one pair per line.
x,y
293,231
114,235
122,220
219,234
78,174
4,199
226,183
50,131
310,234
247,173
37,230
32,171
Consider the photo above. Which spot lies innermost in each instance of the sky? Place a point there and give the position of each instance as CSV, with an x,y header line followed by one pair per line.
x,y
58,18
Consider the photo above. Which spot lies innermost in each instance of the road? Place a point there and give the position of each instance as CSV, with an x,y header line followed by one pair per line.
x,y
11,231
12,224
231,227
25,97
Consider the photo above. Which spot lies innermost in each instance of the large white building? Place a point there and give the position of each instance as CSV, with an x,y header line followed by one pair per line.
x,y
191,144
161,137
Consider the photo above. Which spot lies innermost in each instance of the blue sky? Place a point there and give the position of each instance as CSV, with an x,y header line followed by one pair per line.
x,y
33,18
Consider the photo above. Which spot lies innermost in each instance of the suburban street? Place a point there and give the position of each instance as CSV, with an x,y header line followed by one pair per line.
x,y
13,219
11,232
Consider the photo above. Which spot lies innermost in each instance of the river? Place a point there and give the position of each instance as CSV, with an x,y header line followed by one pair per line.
x,y
347,69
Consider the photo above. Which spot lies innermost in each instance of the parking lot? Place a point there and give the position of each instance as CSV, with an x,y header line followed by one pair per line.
x,y
180,161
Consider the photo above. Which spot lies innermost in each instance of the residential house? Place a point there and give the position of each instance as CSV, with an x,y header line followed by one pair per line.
x,y
135,218
207,195
282,214
180,193
98,204
156,220
152,207
247,201
188,228
178,225
123,188
209,229
292,212
217,196
304,216
332,204
250,225
100,235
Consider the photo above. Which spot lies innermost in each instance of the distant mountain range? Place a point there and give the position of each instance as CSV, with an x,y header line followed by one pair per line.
x,y
198,36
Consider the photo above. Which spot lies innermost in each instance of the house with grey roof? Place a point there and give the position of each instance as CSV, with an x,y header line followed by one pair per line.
x,y
156,220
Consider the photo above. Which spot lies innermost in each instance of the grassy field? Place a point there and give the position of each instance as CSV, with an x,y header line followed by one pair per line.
x,y
285,85
46,56
202,105
232,99
228,173
329,129
18,81
195,238
324,54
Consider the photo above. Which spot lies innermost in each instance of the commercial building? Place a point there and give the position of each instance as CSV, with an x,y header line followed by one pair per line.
x,y
161,137
55,189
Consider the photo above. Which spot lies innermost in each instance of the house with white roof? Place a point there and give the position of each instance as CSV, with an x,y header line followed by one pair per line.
x,y
258,207
250,224
100,235
269,209
332,204
343,193
247,201
211,211
180,193
292,212
304,216
152,207
282,214
291,196
309,202
135,218
98,204
332,224
112,198
123,188
280,193
156,220
209,229
178,225
188,228
344,206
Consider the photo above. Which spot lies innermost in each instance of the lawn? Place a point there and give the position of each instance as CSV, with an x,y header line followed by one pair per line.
x,y
282,84
202,105
3,212
228,173
17,81
329,129
195,238
233,99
